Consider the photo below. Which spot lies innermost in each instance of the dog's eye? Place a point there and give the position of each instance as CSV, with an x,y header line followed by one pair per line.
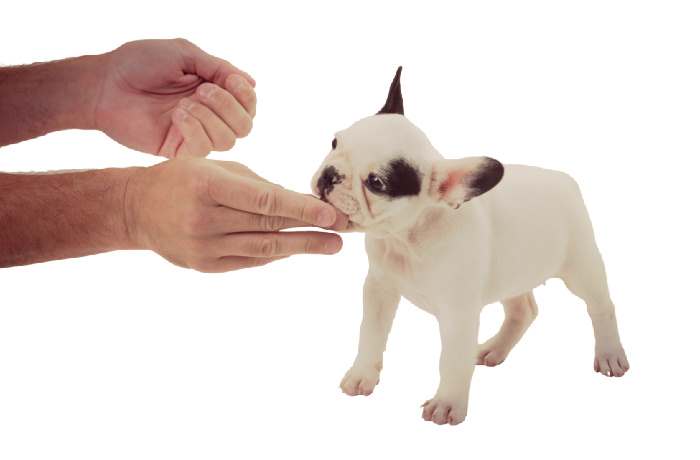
x,y
334,144
375,183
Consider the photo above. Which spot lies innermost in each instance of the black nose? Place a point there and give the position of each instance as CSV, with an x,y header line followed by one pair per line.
x,y
329,178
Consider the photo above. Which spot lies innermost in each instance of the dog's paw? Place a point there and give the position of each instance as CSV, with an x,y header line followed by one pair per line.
x,y
443,411
491,353
611,361
359,381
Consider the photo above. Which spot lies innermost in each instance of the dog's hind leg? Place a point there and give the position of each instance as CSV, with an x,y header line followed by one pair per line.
x,y
520,312
585,277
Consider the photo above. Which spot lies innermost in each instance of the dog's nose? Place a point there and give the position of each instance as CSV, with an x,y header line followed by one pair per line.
x,y
329,178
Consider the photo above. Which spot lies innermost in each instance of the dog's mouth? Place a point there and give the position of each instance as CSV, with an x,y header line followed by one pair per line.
x,y
344,201
330,188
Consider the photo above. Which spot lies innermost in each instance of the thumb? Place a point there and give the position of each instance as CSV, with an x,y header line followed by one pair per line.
x,y
210,68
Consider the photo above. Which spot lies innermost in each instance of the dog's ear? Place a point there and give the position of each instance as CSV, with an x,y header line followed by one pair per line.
x,y
394,101
455,181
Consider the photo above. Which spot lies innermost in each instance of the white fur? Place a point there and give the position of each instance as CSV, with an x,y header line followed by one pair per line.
x,y
498,246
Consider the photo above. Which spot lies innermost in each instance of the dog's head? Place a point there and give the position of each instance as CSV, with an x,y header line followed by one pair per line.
x,y
383,172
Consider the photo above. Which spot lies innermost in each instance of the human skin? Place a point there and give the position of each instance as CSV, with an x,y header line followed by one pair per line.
x,y
164,97
212,216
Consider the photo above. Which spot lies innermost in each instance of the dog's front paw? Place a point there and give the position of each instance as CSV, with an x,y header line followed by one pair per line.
x,y
359,381
611,361
442,411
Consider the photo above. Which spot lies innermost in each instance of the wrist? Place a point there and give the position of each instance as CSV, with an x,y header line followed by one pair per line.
x,y
81,79
132,197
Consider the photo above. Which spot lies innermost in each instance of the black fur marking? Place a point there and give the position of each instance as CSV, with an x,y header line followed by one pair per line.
x,y
394,100
328,179
487,178
334,144
400,178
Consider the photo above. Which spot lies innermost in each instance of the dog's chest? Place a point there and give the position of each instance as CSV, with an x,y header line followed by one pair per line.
x,y
407,268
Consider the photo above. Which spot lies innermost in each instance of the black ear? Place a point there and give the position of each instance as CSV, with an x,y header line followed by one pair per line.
x,y
394,101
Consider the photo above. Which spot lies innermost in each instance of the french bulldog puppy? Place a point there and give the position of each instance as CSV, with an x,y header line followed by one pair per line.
x,y
453,235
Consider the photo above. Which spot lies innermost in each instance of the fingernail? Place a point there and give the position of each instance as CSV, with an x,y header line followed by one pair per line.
x,y
326,217
180,114
236,82
186,104
332,246
206,90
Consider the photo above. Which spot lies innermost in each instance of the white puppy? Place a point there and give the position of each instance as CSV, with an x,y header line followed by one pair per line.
x,y
431,240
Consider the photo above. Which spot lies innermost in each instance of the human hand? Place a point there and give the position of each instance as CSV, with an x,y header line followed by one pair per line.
x,y
217,216
170,98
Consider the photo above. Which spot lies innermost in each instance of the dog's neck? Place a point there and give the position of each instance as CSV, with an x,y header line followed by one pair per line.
x,y
431,224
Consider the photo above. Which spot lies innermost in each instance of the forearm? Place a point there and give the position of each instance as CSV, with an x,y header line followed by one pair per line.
x,y
40,98
56,216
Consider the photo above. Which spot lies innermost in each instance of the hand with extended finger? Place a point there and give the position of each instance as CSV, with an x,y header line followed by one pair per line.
x,y
219,216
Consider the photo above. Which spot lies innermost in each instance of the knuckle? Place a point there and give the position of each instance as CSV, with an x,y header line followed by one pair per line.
x,y
183,42
305,213
267,202
268,247
310,246
271,223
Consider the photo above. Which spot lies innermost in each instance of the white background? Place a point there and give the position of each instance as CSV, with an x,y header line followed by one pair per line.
x,y
122,355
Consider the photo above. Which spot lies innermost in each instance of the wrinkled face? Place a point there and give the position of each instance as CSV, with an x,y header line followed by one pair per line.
x,y
376,170
383,172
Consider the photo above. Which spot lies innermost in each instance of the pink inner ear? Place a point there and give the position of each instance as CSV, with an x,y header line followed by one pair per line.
x,y
453,178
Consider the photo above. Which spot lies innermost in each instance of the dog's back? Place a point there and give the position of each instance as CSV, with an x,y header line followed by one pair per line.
x,y
535,214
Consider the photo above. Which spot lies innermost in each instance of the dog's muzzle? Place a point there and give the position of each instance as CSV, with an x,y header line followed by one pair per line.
x,y
329,178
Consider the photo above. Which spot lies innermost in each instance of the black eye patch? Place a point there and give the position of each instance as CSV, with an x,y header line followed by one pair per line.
x,y
401,179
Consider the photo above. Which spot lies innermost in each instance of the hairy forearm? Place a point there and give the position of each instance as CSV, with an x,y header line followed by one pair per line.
x,y
56,216
40,98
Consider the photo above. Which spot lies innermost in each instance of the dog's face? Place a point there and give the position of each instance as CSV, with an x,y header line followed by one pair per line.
x,y
383,172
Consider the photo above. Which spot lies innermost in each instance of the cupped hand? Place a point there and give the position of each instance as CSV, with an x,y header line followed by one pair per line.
x,y
216,216
170,98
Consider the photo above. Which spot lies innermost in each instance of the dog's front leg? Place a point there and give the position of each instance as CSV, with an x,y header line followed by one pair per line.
x,y
380,301
459,326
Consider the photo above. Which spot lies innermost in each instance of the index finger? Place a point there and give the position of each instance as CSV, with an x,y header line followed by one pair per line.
x,y
259,197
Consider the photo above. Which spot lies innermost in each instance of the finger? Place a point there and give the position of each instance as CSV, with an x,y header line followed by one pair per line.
x,y
221,136
226,220
195,140
257,197
209,67
171,143
342,222
243,92
278,244
226,107
230,263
